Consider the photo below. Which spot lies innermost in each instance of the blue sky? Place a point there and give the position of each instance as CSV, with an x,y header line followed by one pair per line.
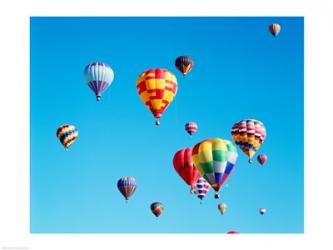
x,y
240,71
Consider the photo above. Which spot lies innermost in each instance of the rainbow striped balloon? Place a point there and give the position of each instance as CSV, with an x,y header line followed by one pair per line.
x,y
127,186
67,134
157,88
215,159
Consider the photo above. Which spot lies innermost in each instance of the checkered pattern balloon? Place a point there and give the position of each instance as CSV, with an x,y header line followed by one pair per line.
x,y
157,88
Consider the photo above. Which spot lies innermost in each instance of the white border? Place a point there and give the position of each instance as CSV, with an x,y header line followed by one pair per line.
x,y
14,110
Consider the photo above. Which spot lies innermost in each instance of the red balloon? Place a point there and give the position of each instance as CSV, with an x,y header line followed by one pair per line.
x,y
183,164
262,158
232,232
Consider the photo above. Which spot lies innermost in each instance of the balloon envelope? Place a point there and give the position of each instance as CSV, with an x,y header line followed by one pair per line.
x,y
183,164
99,77
215,159
157,89
67,134
274,29
262,211
191,127
222,207
249,134
127,186
201,188
184,64
157,208
262,158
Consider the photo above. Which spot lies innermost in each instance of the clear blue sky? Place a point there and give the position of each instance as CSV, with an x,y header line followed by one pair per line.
x,y
241,71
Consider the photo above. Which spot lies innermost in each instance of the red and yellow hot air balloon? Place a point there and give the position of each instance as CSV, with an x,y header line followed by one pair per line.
x,y
249,134
183,164
157,88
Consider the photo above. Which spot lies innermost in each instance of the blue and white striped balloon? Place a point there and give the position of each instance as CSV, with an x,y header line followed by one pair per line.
x,y
99,77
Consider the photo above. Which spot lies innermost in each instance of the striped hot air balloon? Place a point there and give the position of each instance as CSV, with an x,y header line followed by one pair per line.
x,y
184,64
157,88
157,208
127,186
215,159
191,127
67,134
99,77
274,29
201,188
249,134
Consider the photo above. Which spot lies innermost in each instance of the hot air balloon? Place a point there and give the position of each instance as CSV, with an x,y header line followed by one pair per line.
x,y
99,77
201,188
232,232
191,127
184,64
222,207
262,158
157,88
249,134
215,159
275,29
262,211
157,208
67,134
127,186
183,164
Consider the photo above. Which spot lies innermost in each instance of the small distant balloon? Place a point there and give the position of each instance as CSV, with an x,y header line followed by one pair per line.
x,y
262,158
184,64
232,232
262,211
201,188
157,208
67,134
99,77
274,29
127,186
191,127
222,207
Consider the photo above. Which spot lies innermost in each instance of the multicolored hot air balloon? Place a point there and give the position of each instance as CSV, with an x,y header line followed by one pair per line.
x,y
127,186
222,207
262,211
184,64
157,208
157,88
249,134
183,164
191,127
274,29
99,77
215,159
262,158
201,188
67,134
